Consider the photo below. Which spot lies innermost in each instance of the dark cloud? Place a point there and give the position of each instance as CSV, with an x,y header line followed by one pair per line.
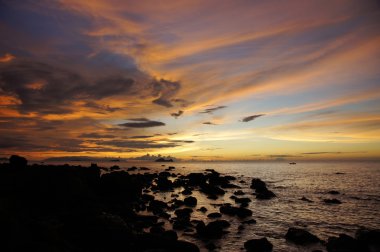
x,y
252,117
96,135
332,152
181,102
142,123
211,110
209,123
165,90
178,114
138,137
50,89
137,144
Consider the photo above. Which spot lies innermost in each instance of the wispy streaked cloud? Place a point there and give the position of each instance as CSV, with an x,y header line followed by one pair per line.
x,y
250,118
142,123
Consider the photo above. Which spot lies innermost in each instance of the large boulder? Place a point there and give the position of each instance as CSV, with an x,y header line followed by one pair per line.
x,y
369,238
258,245
18,162
301,236
343,243
213,230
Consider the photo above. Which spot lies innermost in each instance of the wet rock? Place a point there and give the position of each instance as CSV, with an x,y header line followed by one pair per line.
x,y
185,246
210,246
170,234
187,191
156,230
202,209
18,162
211,190
265,194
117,187
157,206
176,203
251,221
196,179
213,230
164,184
306,199
332,201
369,239
258,184
190,201
300,236
242,200
183,213
258,245
147,197
214,215
133,168
261,190
333,192
114,168
343,243
235,211
239,192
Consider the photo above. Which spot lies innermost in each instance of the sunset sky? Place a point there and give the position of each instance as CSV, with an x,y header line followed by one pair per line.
x,y
207,80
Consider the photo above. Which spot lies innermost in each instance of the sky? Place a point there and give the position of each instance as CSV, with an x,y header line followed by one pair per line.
x,y
196,80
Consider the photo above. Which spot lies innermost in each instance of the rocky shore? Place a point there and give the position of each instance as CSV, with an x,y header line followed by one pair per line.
x,y
74,208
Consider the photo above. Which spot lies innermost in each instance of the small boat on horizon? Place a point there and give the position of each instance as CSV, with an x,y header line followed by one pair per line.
x,y
292,163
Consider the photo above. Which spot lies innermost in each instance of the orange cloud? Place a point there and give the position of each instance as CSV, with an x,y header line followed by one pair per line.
x,y
6,58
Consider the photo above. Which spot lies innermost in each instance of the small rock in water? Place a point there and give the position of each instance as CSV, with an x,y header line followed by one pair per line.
x,y
332,201
333,192
214,215
258,245
190,201
306,199
251,221
239,192
202,209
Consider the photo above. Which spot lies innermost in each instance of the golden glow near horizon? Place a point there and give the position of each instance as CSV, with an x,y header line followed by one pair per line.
x,y
202,80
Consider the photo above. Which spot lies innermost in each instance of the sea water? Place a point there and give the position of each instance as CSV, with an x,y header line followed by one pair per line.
x,y
358,184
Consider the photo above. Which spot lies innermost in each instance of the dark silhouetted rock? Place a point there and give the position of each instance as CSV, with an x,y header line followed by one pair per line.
x,y
258,184
238,211
300,236
202,209
183,213
239,192
213,230
187,191
261,190
344,243
369,239
333,192
258,245
332,201
306,199
214,215
251,221
18,162
190,201
133,168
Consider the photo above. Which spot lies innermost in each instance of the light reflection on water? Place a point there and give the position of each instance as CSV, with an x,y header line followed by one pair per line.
x,y
359,189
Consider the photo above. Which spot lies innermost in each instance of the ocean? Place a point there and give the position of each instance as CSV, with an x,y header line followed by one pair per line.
x,y
358,184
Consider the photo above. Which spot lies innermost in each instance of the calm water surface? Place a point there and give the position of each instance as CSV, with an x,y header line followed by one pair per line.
x,y
357,182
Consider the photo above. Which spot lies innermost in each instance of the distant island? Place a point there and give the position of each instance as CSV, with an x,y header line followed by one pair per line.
x,y
164,160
